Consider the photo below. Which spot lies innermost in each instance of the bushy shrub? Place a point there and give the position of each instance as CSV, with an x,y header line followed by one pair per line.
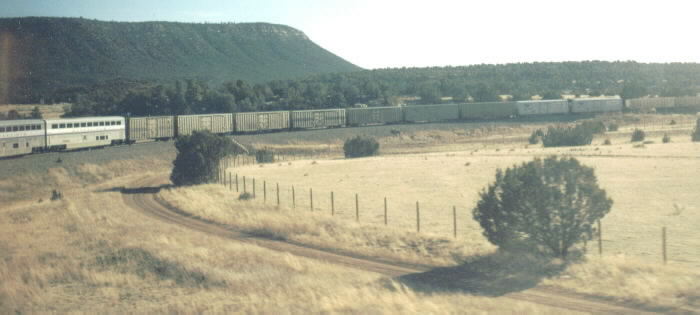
x,y
567,136
545,205
198,157
607,142
535,136
264,156
638,135
666,138
696,133
245,196
613,127
596,126
360,146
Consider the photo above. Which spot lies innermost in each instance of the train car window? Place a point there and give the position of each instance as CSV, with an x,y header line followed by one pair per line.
x,y
70,125
38,127
61,126
89,124
2,129
102,123
27,144
32,127
83,124
54,126
21,128
119,123
15,145
15,128
97,137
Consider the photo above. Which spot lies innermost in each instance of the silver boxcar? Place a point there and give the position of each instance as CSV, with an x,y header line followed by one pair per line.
x,y
318,118
648,103
150,128
215,123
261,121
374,116
430,113
596,105
18,137
542,107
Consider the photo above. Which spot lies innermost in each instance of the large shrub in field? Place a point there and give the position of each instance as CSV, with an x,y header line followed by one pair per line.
x,y
198,157
638,135
546,205
360,146
567,136
696,133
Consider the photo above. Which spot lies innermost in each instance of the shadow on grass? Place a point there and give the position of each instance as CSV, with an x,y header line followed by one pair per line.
x,y
492,275
136,190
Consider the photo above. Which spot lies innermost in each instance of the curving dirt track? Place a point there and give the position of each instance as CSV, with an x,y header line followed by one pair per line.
x,y
143,198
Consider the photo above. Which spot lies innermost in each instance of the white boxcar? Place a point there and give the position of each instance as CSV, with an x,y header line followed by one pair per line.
x,y
649,103
19,137
84,132
687,101
262,121
317,118
374,116
215,123
596,105
431,113
542,107
150,128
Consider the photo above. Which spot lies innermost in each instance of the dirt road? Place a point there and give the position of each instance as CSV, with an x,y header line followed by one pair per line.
x,y
142,197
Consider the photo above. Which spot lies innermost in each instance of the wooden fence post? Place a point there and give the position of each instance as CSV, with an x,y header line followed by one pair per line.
x,y
294,199
253,187
663,243
600,239
332,205
417,217
278,194
311,199
236,182
230,182
454,220
357,208
264,191
385,216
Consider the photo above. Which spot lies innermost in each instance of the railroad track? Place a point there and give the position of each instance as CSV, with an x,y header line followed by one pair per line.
x,y
144,199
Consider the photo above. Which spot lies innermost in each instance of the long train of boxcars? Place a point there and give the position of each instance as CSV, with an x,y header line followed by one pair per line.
x,y
19,137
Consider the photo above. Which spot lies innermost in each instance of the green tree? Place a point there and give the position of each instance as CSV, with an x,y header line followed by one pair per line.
x,y
544,205
633,90
198,157
484,93
36,113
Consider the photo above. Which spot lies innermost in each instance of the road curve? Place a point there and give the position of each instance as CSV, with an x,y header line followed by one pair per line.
x,y
147,202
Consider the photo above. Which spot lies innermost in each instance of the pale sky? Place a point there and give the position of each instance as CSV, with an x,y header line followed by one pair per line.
x,y
392,33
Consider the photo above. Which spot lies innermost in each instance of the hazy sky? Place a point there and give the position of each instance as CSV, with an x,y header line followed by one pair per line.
x,y
388,33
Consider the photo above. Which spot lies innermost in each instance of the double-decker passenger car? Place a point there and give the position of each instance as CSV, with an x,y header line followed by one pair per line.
x,y
83,132
19,137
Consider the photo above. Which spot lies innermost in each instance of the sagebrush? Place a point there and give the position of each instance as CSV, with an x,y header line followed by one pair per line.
x,y
360,146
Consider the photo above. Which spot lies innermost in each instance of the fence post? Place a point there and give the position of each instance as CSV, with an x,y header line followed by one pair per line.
x,y
230,182
264,191
278,194
357,208
332,205
663,243
311,199
245,189
385,219
417,217
253,187
600,240
236,182
294,199
454,220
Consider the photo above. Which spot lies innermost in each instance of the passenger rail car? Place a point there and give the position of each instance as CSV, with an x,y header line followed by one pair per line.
x,y
20,137
84,132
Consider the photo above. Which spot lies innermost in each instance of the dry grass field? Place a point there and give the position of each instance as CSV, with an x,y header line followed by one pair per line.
x,y
47,111
91,252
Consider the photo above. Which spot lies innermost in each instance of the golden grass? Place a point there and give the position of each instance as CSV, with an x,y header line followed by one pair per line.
x,y
90,253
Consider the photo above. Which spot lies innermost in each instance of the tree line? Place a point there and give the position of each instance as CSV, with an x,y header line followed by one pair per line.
x,y
387,87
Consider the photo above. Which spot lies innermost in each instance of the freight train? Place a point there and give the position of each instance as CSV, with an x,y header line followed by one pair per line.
x,y
20,137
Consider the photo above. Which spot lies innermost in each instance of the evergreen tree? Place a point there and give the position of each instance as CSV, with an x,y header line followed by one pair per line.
x,y
198,157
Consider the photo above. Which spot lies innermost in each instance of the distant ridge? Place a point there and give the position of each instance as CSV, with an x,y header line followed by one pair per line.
x,y
39,55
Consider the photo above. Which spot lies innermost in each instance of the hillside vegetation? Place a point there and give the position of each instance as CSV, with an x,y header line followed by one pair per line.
x,y
48,54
